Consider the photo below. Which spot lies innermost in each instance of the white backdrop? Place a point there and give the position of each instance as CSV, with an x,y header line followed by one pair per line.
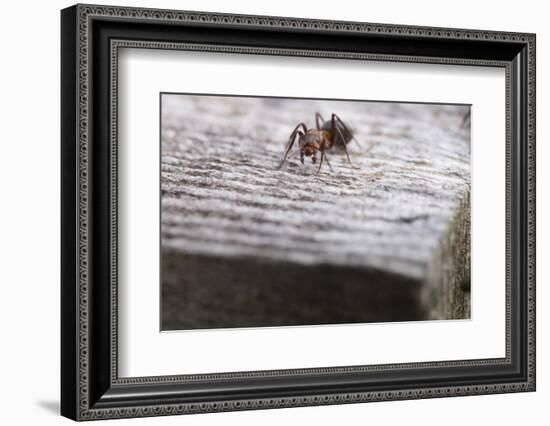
x,y
29,229
143,351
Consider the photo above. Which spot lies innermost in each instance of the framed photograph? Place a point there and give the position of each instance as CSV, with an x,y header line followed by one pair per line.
x,y
263,212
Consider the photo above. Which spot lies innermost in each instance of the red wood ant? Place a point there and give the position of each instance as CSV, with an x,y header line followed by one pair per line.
x,y
324,137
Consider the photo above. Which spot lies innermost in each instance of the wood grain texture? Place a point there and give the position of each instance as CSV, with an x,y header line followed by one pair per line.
x,y
246,244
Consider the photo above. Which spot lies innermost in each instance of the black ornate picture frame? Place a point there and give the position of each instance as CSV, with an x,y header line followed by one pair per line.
x,y
90,384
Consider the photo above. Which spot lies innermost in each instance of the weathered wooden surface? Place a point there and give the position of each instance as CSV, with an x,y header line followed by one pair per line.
x,y
245,244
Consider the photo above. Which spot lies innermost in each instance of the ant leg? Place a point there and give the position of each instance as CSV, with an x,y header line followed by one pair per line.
x,y
324,157
328,162
335,128
346,150
319,120
293,136
289,147
346,128
296,151
321,162
291,141
357,142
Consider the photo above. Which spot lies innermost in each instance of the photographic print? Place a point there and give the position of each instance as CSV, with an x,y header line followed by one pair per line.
x,y
287,211
358,225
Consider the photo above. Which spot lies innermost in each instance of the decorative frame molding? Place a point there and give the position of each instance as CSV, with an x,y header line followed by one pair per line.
x,y
91,388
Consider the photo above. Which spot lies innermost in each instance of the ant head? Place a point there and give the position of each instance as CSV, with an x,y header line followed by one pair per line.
x,y
309,143
309,139
308,151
